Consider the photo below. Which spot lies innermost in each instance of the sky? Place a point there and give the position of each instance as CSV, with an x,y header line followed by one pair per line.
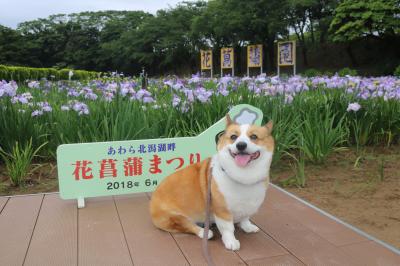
x,y
13,12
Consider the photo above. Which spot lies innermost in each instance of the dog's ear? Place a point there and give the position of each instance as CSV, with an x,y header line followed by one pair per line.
x,y
269,126
228,120
218,136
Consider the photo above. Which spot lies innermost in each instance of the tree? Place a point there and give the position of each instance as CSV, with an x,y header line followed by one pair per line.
x,y
10,46
238,23
82,47
299,19
361,19
165,41
308,17
115,46
321,15
357,19
170,40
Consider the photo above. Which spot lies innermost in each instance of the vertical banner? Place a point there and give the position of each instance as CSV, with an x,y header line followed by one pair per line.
x,y
227,60
206,60
254,57
287,55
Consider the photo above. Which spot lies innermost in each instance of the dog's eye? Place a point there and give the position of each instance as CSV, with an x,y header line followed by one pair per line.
x,y
253,137
234,137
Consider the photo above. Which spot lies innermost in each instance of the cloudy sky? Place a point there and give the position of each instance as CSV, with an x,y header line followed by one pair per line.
x,y
13,12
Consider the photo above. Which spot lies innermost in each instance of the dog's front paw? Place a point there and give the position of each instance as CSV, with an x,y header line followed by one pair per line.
x,y
248,227
231,243
201,233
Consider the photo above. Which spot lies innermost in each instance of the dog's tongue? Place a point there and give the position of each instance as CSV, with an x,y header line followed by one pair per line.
x,y
242,159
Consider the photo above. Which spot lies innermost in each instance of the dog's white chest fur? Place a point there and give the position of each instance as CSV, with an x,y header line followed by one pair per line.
x,y
242,200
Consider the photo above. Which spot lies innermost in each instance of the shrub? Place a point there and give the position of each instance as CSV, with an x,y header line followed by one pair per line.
x,y
311,72
21,74
397,71
347,71
18,161
299,177
319,135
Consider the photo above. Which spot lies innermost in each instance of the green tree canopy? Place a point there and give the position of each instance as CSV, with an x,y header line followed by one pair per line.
x,y
356,19
170,40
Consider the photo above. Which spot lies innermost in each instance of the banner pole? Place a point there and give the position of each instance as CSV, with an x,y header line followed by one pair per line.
x,y
233,64
294,57
277,58
262,61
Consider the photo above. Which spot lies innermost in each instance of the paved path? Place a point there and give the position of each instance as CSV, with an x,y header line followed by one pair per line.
x,y
44,230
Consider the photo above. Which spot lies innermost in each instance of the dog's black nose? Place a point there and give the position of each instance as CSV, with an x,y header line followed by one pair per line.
x,y
241,146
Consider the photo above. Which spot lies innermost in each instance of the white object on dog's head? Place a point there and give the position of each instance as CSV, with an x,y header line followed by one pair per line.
x,y
246,116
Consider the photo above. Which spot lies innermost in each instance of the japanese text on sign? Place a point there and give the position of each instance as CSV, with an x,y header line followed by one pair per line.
x,y
227,58
254,55
206,59
149,148
286,53
132,166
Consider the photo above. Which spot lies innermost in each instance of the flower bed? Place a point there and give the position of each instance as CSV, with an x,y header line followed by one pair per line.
x,y
313,116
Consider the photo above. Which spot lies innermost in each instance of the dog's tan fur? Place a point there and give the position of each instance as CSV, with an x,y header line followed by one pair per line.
x,y
179,201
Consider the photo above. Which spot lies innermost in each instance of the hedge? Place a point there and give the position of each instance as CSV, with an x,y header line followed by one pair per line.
x,y
397,71
21,74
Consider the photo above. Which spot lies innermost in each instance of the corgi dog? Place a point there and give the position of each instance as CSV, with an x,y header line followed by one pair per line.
x,y
240,176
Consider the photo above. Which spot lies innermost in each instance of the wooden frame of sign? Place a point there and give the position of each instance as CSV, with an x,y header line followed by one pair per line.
x,y
251,63
286,55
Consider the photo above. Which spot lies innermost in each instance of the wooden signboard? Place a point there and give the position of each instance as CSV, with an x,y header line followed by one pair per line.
x,y
227,60
254,57
287,55
206,60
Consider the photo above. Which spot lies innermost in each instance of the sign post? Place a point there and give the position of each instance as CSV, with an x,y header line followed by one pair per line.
x,y
144,80
254,57
227,60
206,60
287,55
135,166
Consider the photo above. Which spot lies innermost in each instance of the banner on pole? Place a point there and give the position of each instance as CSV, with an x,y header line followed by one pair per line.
x,y
206,59
287,53
227,58
254,55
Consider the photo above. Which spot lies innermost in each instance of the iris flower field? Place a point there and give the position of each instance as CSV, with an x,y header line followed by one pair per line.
x,y
313,117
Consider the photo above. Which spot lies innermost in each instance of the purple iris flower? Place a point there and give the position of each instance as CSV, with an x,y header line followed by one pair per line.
x,y
34,84
175,101
8,89
37,113
353,107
